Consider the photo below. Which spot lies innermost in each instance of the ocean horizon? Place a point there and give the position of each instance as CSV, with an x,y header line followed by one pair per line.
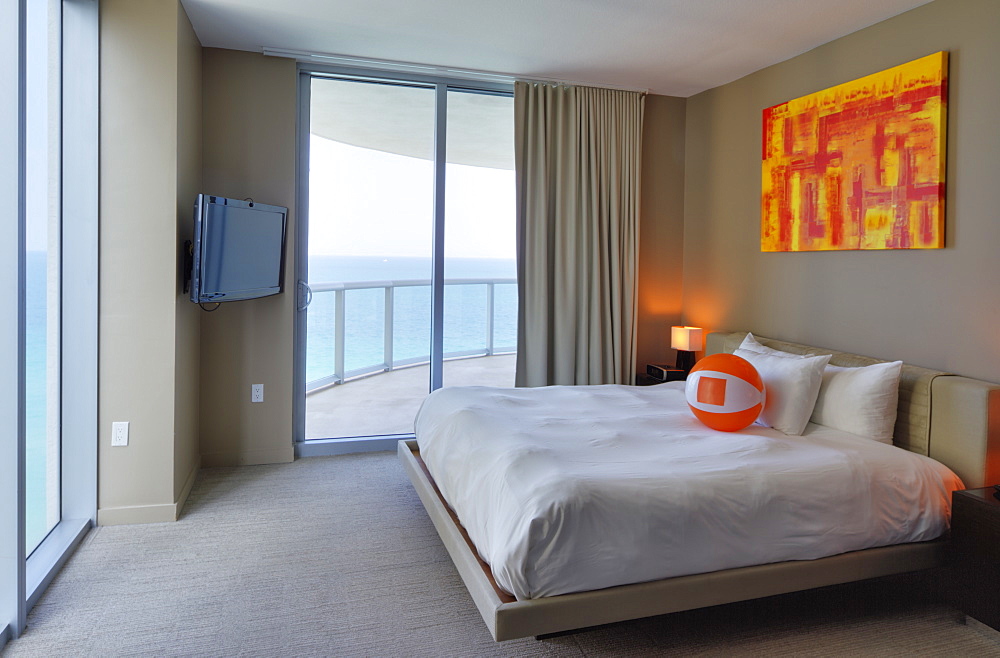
x,y
465,310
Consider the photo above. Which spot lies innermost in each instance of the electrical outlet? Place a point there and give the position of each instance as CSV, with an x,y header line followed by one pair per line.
x,y
119,434
257,393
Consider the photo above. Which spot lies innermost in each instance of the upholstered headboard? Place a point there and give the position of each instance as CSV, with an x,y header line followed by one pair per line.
x,y
955,420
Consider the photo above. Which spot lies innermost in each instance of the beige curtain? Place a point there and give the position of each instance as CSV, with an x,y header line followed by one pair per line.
x,y
577,153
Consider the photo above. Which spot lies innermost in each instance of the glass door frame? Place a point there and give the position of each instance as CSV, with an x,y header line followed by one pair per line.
x,y
24,577
441,87
12,446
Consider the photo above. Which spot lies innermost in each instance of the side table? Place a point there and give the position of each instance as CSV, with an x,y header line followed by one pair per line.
x,y
975,554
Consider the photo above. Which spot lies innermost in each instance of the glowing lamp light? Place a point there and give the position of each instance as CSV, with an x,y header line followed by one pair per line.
x,y
725,392
687,341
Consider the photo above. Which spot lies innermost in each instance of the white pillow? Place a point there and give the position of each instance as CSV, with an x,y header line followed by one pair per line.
x,y
861,401
750,343
790,387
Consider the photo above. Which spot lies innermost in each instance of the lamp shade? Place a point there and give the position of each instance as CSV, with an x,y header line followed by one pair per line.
x,y
687,339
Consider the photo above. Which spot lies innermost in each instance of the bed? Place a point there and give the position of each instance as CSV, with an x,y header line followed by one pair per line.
x,y
953,420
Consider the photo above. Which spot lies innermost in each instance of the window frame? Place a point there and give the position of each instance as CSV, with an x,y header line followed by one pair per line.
x,y
79,303
24,578
12,452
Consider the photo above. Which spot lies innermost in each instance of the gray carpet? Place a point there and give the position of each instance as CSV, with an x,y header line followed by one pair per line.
x,y
335,556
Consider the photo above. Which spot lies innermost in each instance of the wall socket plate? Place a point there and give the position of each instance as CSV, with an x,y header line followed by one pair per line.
x,y
119,434
256,392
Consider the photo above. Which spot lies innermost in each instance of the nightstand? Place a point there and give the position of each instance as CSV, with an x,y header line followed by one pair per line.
x,y
975,554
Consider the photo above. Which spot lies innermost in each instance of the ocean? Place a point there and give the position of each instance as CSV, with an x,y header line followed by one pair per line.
x,y
36,362
465,310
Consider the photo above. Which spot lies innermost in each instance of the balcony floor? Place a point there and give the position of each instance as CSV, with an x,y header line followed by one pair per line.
x,y
386,403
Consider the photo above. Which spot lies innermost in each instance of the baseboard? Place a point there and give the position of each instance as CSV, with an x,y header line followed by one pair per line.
x,y
328,447
5,635
135,514
186,489
282,455
983,629
138,514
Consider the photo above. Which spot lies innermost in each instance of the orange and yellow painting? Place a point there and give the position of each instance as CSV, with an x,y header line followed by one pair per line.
x,y
860,165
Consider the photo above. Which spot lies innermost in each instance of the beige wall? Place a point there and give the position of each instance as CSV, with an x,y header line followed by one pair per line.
x,y
145,335
187,455
177,120
661,229
249,151
936,308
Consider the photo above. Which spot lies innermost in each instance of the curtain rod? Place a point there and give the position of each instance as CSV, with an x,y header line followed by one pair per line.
x,y
428,69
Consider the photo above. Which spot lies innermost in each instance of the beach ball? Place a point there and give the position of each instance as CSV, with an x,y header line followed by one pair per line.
x,y
725,392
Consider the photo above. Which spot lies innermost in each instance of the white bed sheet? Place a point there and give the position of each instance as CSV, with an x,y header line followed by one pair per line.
x,y
573,488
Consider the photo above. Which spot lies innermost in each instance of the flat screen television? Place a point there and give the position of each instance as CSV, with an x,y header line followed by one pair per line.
x,y
238,250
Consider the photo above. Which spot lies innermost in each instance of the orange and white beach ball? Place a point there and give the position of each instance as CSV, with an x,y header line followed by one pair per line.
x,y
725,392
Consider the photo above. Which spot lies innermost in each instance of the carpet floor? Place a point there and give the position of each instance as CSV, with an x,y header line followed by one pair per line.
x,y
335,556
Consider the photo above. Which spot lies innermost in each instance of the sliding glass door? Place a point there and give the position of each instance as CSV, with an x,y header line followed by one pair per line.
x,y
370,199
480,267
407,277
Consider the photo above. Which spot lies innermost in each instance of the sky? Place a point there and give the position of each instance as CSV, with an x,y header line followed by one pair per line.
x,y
364,202
41,139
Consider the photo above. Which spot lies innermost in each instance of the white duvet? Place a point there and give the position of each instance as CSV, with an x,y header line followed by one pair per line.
x,y
573,488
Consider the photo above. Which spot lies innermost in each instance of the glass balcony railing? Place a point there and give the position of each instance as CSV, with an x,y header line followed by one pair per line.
x,y
367,327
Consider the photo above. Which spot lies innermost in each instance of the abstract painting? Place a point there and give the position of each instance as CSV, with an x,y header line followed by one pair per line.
x,y
860,165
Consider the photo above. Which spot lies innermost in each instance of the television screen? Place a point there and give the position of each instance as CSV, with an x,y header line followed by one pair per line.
x,y
238,249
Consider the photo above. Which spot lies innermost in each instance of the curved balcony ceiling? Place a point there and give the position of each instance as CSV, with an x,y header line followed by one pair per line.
x,y
480,130
670,47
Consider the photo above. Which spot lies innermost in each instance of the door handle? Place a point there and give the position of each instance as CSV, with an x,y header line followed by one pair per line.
x,y
305,296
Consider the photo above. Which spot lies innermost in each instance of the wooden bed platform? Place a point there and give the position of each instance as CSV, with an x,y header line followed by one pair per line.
x,y
958,424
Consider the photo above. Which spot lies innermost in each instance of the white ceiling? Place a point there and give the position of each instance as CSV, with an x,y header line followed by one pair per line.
x,y
672,47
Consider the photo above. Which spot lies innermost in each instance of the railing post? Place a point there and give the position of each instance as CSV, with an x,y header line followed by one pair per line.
x,y
387,338
489,318
338,339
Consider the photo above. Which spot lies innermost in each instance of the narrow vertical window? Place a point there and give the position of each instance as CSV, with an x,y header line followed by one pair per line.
x,y
43,271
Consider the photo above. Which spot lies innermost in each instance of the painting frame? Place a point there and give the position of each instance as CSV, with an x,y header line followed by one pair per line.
x,y
860,165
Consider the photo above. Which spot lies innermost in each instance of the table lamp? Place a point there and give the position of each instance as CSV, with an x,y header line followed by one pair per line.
x,y
687,341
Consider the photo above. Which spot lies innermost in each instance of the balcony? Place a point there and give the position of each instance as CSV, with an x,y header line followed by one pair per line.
x,y
387,403
368,375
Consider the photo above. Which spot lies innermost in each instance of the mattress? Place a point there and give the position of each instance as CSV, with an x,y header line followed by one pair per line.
x,y
574,488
